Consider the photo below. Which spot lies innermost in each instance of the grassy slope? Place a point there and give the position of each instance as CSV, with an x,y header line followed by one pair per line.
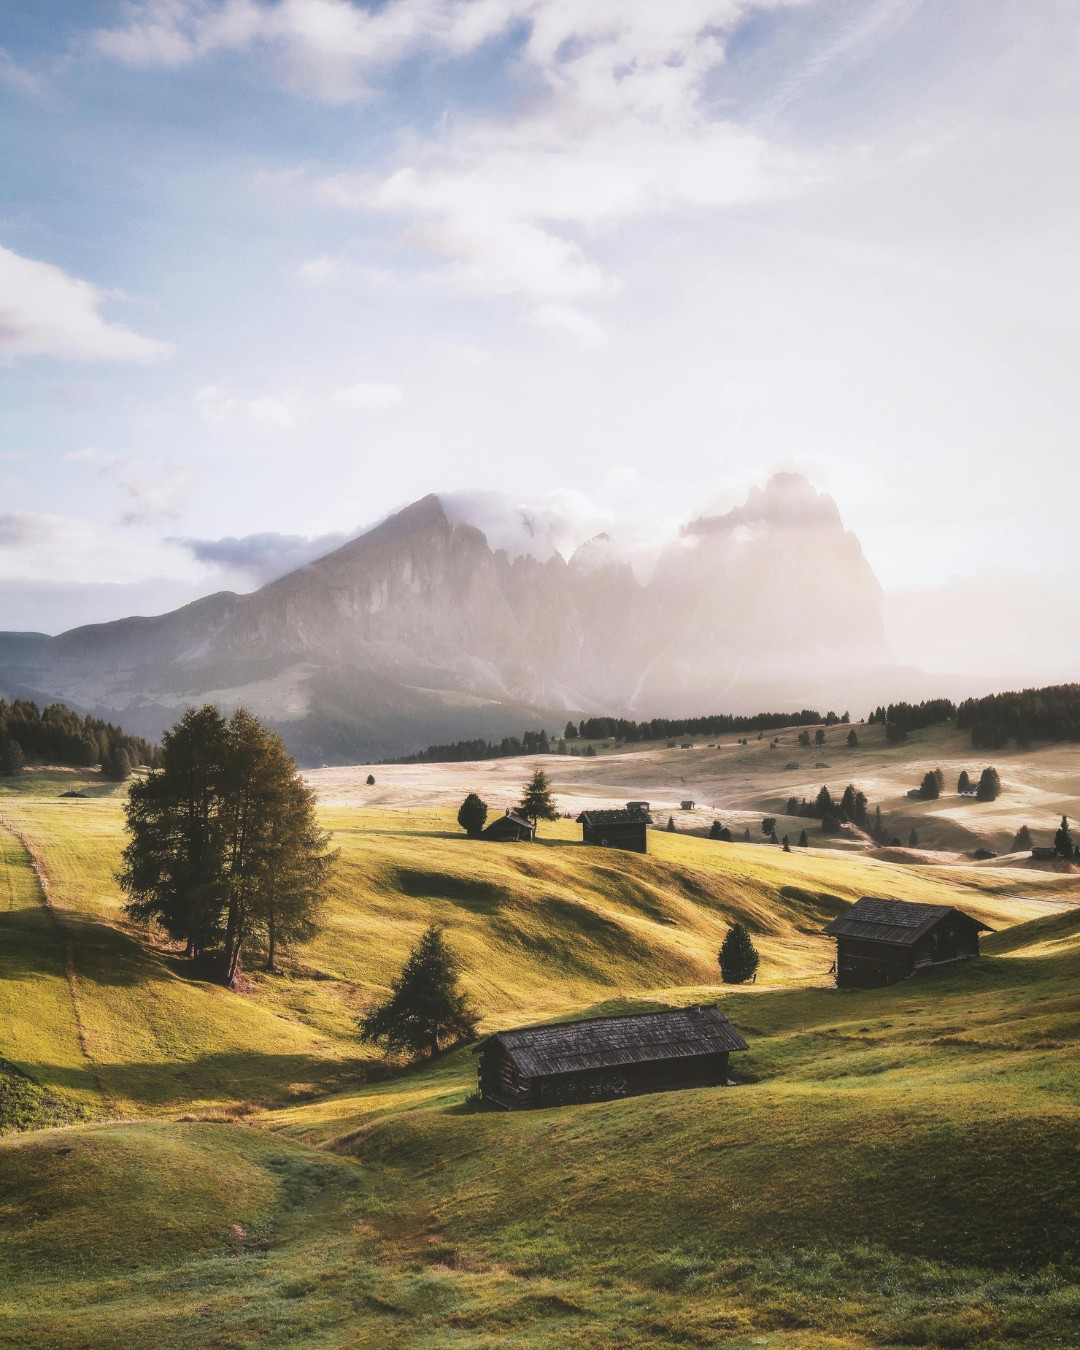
x,y
391,1214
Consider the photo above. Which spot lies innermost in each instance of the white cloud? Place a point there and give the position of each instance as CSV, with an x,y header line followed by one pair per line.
x,y
12,76
619,130
151,497
366,395
41,547
45,312
564,322
292,408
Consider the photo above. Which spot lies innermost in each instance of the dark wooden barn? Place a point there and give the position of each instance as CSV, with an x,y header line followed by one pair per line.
x,y
509,829
607,1057
616,828
881,941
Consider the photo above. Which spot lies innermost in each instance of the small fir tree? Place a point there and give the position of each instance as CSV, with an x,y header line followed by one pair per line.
x,y
913,840
768,826
571,732
1063,839
930,789
804,841
716,830
671,825
989,789
371,780
12,759
738,956
852,739
471,815
787,844
427,1011
1022,842
963,783
819,736
746,835
537,803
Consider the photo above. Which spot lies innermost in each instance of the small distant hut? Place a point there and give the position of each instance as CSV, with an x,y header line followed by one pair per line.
x,y
616,828
510,829
606,1057
881,941
688,805
637,806
1044,853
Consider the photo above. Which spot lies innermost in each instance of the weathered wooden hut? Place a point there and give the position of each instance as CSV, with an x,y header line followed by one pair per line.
x,y
688,805
607,1057
637,806
616,828
881,941
509,829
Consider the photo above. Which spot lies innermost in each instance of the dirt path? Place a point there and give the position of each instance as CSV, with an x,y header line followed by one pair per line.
x,y
67,947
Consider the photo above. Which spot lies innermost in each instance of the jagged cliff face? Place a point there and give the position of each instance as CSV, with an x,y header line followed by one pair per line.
x,y
418,630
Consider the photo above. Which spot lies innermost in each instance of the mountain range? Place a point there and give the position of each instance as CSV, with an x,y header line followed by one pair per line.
x,y
418,631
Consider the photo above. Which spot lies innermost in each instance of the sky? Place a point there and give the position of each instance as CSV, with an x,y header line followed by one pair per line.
x,y
270,269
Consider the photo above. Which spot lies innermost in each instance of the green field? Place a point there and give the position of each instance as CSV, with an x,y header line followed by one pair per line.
x,y
898,1166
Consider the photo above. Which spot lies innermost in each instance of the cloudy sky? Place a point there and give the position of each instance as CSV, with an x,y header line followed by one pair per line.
x,y
271,268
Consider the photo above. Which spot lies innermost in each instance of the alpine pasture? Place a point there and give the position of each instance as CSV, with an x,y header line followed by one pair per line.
x,y
184,1165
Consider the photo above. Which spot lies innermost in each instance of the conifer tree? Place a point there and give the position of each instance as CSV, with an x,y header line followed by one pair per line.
x,y
913,840
472,813
371,780
671,825
989,789
716,830
1063,839
804,841
427,1011
1022,842
571,732
963,783
224,850
12,759
537,802
852,739
738,957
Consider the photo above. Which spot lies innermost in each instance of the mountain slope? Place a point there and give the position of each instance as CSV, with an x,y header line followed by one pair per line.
x,y
419,630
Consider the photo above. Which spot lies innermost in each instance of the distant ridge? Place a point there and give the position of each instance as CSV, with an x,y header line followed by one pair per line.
x,y
419,630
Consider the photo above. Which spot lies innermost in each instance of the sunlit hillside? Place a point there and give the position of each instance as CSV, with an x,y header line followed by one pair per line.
x,y
187,1165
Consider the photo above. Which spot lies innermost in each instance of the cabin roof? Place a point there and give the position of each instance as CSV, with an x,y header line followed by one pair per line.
x,y
631,815
606,1042
899,922
509,818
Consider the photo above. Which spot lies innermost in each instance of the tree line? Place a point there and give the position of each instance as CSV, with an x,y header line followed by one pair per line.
x,y
899,719
57,735
1048,714
618,729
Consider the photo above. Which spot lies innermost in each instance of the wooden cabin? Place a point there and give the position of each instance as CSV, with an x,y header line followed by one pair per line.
x,y
510,829
1045,853
688,805
616,828
881,941
637,806
606,1057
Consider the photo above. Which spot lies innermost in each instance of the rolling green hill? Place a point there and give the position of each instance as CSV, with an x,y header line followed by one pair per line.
x,y
896,1167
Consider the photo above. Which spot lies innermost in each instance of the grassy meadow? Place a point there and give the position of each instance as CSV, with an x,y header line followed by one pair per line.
x,y
186,1166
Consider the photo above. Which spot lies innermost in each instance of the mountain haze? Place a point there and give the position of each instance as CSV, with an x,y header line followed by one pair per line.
x,y
418,630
